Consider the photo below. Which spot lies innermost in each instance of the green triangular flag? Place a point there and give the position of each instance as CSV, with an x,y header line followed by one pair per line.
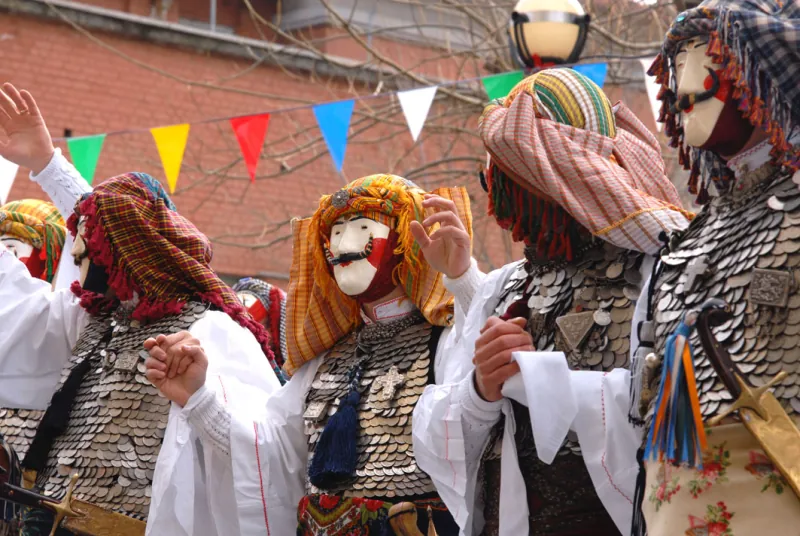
x,y
499,85
84,152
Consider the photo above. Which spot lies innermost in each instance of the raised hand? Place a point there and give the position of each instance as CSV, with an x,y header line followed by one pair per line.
x,y
29,144
448,249
493,349
177,365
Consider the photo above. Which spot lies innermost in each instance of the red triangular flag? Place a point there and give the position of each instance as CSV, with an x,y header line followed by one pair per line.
x,y
250,132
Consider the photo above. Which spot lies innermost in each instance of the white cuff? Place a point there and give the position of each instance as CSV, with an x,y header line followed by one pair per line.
x,y
209,419
62,183
465,286
474,405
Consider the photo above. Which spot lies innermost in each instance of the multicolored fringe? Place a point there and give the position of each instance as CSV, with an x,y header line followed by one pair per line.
x,y
677,434
761,102
540,224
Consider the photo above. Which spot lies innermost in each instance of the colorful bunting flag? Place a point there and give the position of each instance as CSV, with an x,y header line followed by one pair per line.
x,y
171,142
653,88
498,86
8,172
84,152
416,103
250,133
333,119
596,72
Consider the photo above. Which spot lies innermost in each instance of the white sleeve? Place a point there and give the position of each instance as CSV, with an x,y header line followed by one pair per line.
x,y
451,423
62,183
249,433
39,329
194,486
463,288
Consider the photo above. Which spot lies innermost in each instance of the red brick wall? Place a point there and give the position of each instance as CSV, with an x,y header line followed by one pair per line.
x,y
88,89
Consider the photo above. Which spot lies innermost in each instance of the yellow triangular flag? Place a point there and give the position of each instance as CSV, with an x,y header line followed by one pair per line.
x,y
171,142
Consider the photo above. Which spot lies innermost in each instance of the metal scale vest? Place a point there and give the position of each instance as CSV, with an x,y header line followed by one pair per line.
x,y
395,372
117,422
584,309
744,247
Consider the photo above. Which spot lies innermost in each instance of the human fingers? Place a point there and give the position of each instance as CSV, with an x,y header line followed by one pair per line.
x,y
156,352
453,235
30,103
175,339
152,363
502,374
502,344
13,93
444,218
519,321
438,202
149,343
154,376
197,354
497,330
7,105
420,235
490,322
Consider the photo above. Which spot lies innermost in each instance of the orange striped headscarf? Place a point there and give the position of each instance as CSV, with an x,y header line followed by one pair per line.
x,y
318,313
39,224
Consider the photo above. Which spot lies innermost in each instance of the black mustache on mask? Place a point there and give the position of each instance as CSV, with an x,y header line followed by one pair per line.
x,y
687,101
350,257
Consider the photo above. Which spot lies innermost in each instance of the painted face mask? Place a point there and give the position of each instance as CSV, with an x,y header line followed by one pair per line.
x,y
17,247
709,112
356,253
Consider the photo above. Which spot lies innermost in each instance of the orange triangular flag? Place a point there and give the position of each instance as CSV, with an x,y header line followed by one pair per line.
x,y
171,142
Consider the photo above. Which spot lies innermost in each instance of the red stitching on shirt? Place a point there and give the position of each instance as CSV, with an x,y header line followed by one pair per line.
x,y
447,445
261,480
603,459
224,394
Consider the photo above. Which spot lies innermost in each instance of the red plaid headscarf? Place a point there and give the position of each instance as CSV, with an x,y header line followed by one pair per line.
x,y
152,252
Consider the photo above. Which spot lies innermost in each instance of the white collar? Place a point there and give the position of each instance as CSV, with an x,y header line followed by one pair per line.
x,y
393,309
751,160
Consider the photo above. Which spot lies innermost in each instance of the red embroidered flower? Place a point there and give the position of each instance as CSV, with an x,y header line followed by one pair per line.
x,y
357,501
328,501
373,505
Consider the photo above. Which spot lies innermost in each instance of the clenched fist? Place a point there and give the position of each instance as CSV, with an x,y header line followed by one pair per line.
x,y
177,365
493,349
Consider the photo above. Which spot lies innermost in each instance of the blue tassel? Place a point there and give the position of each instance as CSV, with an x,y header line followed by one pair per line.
x,y
335,456
676,432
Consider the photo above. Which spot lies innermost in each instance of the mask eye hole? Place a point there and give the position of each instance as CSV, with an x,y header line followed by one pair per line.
x,y
482,177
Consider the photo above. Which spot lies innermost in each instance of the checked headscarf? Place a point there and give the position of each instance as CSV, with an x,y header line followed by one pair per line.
x,y
152,253
757,44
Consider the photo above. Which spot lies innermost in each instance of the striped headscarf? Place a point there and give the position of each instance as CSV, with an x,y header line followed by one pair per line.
x,y
151,252
318,313
757,44
559,154
39,224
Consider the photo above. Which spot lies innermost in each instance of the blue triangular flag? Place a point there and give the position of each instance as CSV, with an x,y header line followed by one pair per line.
x,y
596,72
333,119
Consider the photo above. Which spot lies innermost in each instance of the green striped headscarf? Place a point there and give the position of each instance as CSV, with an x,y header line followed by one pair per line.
x,y
568,97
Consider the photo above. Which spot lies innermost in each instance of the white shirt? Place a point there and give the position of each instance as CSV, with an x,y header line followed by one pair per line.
x,y
269,451
592,404
193,488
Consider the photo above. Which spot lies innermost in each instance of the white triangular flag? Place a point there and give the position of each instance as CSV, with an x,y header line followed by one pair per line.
x,y
8,172
416,104
653,88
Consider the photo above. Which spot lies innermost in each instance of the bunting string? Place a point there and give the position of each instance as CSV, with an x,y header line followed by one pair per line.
x,y
333,119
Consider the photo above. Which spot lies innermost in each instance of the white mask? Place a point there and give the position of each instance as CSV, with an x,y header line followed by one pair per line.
x,y
352,235
18,248
79,251
691,71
